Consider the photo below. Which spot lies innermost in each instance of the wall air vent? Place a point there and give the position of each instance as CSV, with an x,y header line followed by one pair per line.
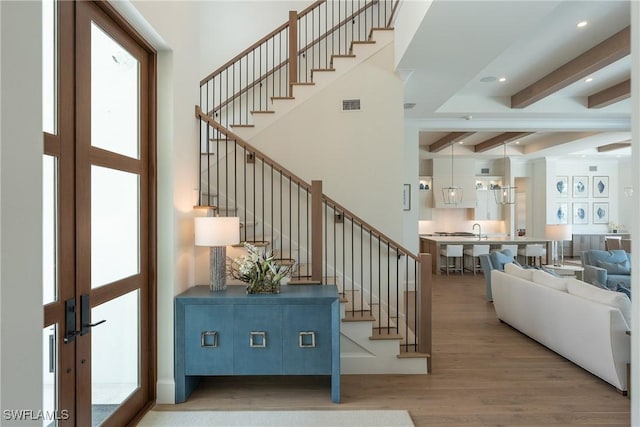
x,y
484,171
350,105
593,169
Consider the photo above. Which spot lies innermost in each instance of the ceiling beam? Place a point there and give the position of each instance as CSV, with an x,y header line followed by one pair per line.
x,y
496,141
610,95
609,51
446,140
614,146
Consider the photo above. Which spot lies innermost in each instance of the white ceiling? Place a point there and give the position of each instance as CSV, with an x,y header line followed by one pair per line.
x,y
461,42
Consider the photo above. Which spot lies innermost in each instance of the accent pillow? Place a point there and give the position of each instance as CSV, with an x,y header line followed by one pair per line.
x,y
621,288
611,298
500,258
517,271
543,278
616,267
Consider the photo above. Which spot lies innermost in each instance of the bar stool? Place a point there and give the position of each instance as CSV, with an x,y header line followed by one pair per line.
x,y
533,251
451,251
474,253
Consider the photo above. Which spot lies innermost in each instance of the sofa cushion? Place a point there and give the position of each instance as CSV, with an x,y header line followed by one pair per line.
x,y
623,267
544,278
518,271
611,298
500,258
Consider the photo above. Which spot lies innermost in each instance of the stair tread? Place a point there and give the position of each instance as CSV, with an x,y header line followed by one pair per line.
x,y
281,97
303,84
358,317
413,355
240,125
263,112
385,335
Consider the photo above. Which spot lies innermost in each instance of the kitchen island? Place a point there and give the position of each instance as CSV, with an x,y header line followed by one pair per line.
x,y
432,244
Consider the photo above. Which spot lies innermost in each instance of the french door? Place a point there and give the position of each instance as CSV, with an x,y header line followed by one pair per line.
x,y
98,219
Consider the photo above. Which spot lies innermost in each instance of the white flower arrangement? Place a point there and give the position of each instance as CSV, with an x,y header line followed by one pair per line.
x,y
259,270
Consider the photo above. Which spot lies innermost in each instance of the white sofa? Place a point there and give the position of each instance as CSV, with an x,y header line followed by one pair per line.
x,y
579,321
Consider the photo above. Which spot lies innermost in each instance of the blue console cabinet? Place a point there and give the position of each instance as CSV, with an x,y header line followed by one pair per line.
x,y
296,332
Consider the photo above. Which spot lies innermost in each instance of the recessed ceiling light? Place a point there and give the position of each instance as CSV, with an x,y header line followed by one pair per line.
x,y
517,142
582,24
588,79
488,79
502,79
460,142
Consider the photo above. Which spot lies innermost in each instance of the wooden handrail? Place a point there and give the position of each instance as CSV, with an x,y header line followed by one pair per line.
x,y
310,8
299,181
336,27
371,229
258,43
243,53
274,165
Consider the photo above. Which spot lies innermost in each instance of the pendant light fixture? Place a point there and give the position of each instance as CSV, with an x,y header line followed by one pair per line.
x,y
452,195
505,194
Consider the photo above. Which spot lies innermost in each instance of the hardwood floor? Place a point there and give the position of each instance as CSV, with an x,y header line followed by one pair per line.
x,y
484,374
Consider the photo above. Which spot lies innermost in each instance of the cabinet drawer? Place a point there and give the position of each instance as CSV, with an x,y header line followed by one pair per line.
x,y
208,339
307,339
258,340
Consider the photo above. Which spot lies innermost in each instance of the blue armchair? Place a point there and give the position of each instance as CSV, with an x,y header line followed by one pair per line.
x,y
494,261
609,269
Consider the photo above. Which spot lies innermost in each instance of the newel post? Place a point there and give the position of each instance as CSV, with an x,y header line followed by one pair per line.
x,y
316,231
293,49
424,308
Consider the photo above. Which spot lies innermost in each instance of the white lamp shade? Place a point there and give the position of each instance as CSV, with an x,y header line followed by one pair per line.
x,y
217,230
558,232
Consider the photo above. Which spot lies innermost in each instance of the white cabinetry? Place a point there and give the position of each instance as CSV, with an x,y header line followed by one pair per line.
x,y
425,198
486,208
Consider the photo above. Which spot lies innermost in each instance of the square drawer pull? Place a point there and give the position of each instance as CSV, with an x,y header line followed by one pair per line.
x,y
257,339
209,339
307,339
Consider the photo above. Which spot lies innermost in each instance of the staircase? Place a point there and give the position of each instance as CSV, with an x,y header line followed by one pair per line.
x,y
384,288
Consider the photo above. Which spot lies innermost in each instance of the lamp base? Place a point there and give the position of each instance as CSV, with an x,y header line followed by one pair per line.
x,y
218,258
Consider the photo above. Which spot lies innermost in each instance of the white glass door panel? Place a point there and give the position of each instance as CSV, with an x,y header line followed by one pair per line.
x,y
115,225
115,352
114,96
49,229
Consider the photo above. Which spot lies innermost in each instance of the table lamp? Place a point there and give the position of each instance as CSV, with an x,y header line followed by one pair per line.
x,y
557,233
217,232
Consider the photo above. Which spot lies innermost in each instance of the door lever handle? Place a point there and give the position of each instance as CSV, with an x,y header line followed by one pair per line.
x,y
91,325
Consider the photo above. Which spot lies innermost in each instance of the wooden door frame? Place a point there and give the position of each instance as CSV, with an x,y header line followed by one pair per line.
x,y
63,146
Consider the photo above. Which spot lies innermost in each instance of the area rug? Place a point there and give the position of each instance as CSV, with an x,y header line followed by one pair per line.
x,y
329,418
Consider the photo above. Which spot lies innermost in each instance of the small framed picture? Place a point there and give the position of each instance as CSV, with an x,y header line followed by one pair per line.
x,y
600,213
581,213
580,186
561,214
561,186
406,197
601,186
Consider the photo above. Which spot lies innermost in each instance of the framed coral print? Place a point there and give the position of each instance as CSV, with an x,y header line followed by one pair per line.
x,y
561,213
581,213
601,186
580,186
600,213
561,186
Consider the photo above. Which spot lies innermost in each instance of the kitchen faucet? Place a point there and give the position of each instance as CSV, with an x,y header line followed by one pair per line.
x,y
479,230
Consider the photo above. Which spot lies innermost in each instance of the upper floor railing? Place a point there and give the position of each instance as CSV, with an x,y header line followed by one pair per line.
x,y
288,55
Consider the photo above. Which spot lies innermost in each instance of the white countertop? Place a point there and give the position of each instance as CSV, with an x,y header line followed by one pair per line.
x,y
474,240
